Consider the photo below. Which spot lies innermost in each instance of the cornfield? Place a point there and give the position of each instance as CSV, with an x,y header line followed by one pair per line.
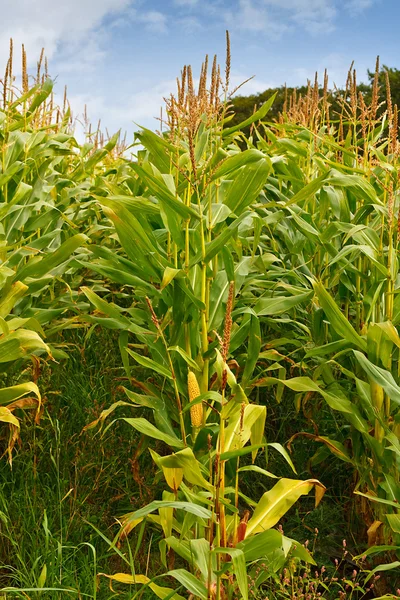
x,y
236,277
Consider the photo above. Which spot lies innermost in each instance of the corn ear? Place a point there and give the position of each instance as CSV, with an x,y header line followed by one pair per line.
x,y
196,411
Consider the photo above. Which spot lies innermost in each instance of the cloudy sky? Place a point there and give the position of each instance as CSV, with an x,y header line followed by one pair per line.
x,y
121,57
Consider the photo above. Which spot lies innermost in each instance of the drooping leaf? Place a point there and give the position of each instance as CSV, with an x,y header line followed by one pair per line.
x,y
276,502
336,318
190,582
258,115
145,427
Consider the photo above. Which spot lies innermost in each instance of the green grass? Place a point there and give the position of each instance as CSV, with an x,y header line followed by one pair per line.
x,y
64,480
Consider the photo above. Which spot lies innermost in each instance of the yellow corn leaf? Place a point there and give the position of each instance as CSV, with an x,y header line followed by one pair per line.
x,y
6,416
373,532
159,591
277,501
173,477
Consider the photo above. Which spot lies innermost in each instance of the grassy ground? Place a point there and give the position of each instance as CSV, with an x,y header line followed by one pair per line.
x,y
63,482
66,487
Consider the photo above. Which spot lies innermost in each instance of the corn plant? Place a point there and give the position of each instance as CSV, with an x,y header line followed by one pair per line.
x,y
190,263
44,220
329,212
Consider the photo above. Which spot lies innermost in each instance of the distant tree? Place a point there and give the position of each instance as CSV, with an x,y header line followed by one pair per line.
x,y
243,106
393,75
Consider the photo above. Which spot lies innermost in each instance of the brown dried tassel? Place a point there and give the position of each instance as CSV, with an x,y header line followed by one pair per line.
x,y
353,94
389,104
218,83
213,81
395,130
181,97
285,99
10,68
228,321
25,84
375,91
5,82
228,61
39,66
325,96
65,100
154,317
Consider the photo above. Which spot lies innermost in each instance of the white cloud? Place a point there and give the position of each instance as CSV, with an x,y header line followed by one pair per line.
x,y
313,15
189,24
254,86
154,20
337,66
185,2
276,17
50,23
358,6
253,16
138,109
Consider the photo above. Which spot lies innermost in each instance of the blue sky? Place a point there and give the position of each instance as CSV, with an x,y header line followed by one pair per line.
x,y
120,57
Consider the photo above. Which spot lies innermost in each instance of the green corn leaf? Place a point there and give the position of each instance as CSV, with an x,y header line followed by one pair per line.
x,y
144,426
385,567
8,301
381,376
241,451
42,94
160,150
257,469
124,220
210,395
235,161
190,582
277,305
334,398
15,392
149,363
212,248
189,361
240,425
336,318
238,568
394,522
247,185
161,191
253,350
40,267
378,500
257,116
261,545
283,452
194,509
307,191
186,460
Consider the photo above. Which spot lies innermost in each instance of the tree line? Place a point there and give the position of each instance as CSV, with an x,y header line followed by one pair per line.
x,y
244,106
